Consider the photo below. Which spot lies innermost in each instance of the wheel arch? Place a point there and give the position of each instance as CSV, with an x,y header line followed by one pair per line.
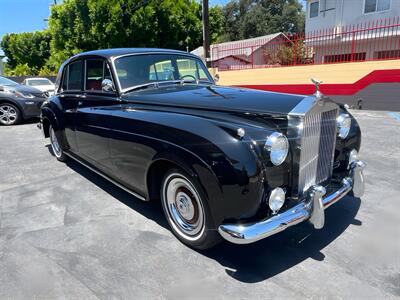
x,y
48,114
195,168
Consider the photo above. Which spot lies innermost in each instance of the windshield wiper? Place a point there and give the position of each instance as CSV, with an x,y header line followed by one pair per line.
x,y
142,87
183,81
166,82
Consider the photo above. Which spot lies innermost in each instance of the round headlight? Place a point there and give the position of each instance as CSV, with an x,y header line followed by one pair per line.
x,y
276,199
278,146
343,124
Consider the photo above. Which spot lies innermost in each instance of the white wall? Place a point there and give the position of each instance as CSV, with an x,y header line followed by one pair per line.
x,y
345,12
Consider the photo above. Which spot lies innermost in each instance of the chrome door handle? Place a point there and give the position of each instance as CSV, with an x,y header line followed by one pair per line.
x,y
80,103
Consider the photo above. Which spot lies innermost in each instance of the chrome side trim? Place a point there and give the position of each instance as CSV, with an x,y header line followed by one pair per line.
x,y
313,207
106,177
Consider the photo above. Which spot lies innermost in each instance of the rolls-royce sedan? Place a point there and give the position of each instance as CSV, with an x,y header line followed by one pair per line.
x,y
225,163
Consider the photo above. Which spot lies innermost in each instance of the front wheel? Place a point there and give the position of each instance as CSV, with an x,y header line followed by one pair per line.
x,y
55,146
187,211
9,114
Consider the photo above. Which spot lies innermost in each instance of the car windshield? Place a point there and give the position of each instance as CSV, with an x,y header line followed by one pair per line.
x,y
137,70
37,82
5,81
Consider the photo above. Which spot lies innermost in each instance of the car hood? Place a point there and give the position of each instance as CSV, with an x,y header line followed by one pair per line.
x,y
217,98
22,88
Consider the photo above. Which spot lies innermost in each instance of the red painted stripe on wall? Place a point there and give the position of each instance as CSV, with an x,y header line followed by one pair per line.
x,y
378,76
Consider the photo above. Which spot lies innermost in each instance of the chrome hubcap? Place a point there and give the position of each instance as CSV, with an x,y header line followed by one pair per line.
x,y
54,143
184,207
8,114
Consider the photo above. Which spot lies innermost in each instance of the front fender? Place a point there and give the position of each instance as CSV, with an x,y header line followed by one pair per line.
x,y
214,148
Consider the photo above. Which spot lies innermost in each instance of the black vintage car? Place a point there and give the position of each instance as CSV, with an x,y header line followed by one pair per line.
x,y
224,162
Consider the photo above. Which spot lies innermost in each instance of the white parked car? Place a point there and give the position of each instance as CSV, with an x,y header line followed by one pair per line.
x,y
43,84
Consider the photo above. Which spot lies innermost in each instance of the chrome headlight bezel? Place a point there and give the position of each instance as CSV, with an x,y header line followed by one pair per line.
x,y
343,122
277,145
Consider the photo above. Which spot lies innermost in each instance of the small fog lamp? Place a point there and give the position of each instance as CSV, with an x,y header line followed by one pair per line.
x,y
276,199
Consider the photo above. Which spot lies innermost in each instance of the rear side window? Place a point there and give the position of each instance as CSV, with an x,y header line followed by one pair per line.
x,y
72,77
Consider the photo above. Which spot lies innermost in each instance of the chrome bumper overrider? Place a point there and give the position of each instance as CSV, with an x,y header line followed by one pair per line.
x,y
311,209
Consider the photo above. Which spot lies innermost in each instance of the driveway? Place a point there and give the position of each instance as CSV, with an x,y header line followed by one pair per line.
x,y
65,232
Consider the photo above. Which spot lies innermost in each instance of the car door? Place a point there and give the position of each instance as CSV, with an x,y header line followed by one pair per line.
x,y
94,115
69,96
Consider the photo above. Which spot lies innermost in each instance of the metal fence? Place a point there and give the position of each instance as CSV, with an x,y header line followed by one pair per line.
x,y
374,40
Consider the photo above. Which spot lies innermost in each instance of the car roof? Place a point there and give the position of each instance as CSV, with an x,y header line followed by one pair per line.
x,y
36,78
110,53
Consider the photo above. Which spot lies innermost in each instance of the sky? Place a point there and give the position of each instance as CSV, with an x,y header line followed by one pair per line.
x,y
23,15
28,15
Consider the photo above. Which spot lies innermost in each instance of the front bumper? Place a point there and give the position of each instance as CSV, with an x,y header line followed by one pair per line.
x,y
312,209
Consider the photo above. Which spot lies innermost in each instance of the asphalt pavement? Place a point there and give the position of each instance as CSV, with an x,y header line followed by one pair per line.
x,y
66,233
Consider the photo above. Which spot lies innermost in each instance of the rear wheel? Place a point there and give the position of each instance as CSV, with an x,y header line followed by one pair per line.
x,y
186,210
9,114
55,146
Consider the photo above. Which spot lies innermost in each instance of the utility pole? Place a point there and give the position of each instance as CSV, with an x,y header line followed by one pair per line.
x,y
206,33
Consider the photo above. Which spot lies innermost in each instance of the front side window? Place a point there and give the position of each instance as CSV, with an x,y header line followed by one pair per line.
x,y
376,5
314,9
96,71
72,78
136,70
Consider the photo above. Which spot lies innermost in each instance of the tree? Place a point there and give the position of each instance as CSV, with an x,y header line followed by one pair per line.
x,y
28,50
250,18
82,25
217,20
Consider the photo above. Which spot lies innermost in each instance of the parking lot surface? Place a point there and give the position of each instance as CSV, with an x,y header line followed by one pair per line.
x,y
65,232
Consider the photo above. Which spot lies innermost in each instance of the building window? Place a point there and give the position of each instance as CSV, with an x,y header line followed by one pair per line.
x,y
314,9
388,54
376,6
346,57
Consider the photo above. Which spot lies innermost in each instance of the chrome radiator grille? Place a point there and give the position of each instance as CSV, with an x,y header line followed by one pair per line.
x,y
317,148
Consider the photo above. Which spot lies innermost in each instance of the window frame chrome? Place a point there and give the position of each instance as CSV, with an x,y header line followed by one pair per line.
x,y
114,58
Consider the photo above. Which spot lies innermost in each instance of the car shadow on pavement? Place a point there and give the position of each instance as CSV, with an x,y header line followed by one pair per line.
x,y
261,260
264,259
151,210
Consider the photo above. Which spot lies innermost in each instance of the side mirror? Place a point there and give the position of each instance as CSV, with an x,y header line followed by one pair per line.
x,y
107,86
216,77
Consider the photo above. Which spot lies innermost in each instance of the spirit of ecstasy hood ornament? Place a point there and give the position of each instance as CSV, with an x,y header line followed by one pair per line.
x,y
317,83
